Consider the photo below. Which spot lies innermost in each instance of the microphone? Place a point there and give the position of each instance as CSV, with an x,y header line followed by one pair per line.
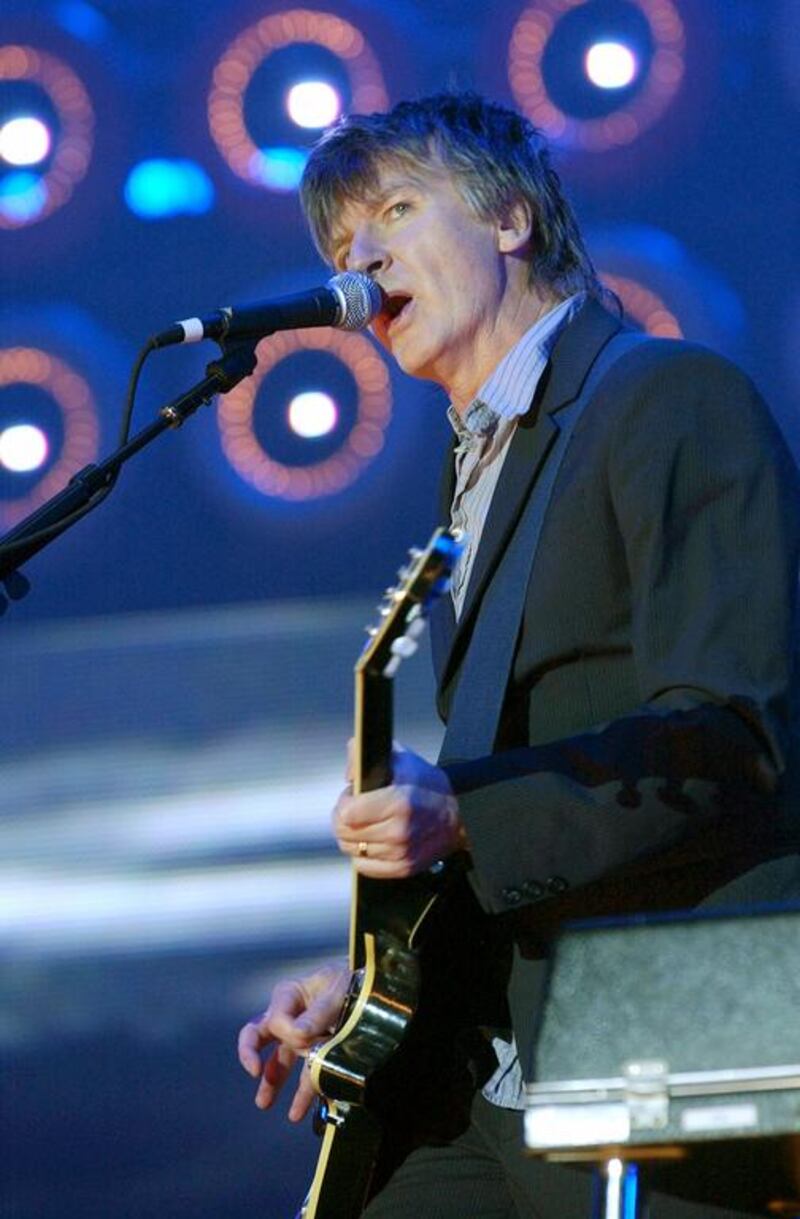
x,y
349,301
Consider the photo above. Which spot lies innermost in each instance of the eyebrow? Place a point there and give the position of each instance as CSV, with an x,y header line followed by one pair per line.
x,y
376,200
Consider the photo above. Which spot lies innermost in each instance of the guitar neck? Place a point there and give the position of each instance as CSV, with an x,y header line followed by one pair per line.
x,y
372,768
372,732
403,619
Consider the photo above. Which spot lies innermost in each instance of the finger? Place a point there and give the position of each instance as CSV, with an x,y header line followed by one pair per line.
x,y
349,771
388,851
251,1042
353,814
303,1097
283,1019
276,1071
322,1014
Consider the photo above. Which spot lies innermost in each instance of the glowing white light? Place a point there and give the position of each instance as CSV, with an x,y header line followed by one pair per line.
x,y
23,447
312,414
610,65
313,103
24,141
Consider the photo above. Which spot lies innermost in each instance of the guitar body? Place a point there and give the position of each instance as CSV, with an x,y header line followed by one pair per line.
x,y
394,1071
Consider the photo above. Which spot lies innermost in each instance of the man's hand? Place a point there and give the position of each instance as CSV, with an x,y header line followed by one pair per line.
x,y
301,1012
400,830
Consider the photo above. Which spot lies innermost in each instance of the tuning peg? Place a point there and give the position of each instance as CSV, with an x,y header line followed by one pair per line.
x,y
414,553
404,647
371,631
415,627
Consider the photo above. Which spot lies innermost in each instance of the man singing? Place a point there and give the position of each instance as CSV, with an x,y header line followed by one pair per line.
x,y
640,758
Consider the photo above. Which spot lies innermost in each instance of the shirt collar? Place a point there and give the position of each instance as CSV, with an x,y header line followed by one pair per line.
x,y
508,390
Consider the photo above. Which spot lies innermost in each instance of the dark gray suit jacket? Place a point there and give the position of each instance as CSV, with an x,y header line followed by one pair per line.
x,y
644,755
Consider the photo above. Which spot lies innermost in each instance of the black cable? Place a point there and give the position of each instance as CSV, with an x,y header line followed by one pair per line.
x,y
149,346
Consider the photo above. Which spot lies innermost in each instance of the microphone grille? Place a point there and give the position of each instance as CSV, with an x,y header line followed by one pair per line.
x,y
360,297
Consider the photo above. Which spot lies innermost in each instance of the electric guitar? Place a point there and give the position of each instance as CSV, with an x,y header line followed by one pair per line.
x,y
388,1048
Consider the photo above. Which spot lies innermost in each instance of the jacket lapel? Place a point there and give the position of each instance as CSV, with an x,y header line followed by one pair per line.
x,y
573,355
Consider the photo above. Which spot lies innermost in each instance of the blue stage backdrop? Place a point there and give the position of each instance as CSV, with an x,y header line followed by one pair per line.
x,y
149,157
177,684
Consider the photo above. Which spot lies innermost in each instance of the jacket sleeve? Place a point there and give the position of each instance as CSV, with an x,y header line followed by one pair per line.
x,y
705,497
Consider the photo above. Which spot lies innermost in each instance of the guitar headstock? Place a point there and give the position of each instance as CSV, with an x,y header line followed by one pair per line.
x,y
405,607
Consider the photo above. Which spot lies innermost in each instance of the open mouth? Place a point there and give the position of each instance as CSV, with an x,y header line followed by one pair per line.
x,y
394,307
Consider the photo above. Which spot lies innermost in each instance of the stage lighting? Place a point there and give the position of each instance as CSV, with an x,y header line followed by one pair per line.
x,y
313,104
59,138
23,447
644,307
159,188
270,86
596,74
312,414
278,168
82,20
322,441
667,289
24,141
610,65
48,428
23,197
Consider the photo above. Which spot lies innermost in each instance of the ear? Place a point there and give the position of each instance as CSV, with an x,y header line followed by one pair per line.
x,y
514,228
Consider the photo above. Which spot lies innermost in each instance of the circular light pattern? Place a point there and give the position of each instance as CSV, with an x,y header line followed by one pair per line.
x,y
24,141
313,104
610,65
22,196
23,448
644,306
529,39
73,149
234,71
31,366
312,414
363,442
280,168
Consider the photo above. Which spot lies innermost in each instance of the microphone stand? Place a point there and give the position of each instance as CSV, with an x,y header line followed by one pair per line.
x,y
238,360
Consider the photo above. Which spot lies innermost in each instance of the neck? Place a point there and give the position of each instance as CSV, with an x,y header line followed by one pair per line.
x,y
489,349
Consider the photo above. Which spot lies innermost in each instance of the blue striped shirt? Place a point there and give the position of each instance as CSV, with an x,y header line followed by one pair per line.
x,y
485,432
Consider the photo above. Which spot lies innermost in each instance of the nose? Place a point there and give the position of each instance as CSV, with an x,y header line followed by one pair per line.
x,y
367,254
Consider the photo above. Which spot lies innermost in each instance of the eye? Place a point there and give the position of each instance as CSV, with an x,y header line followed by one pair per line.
x,y
396,210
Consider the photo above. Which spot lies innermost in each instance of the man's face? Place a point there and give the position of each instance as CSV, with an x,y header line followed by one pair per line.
x,y
440,268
